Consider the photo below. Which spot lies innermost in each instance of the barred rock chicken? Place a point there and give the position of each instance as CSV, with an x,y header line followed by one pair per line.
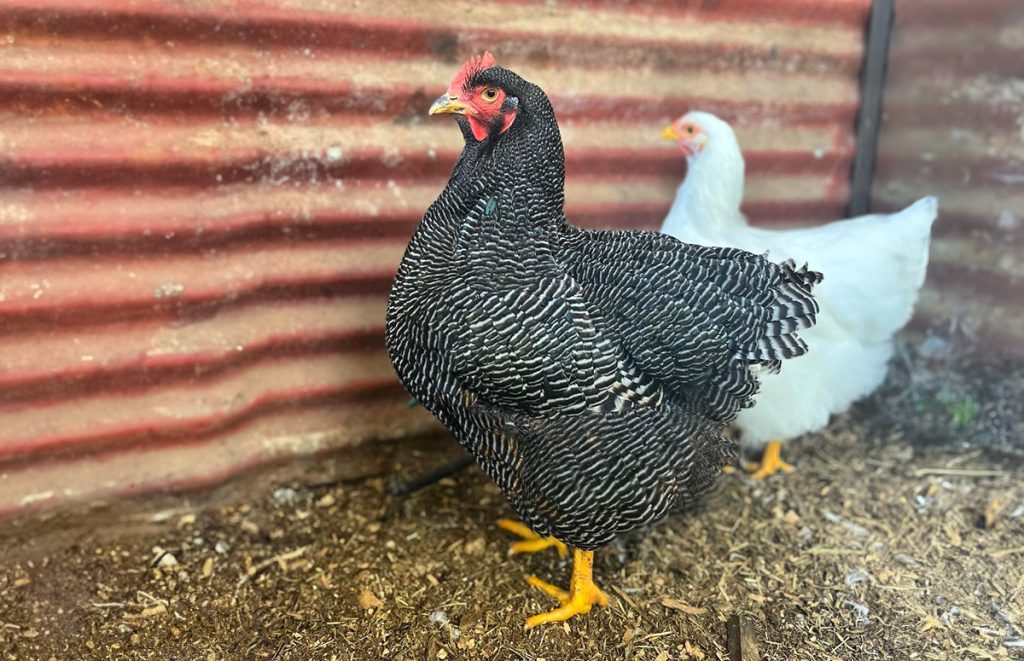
x,y
874,266
589,373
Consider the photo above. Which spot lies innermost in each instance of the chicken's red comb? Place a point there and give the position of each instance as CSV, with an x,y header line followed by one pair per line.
x,y
471,68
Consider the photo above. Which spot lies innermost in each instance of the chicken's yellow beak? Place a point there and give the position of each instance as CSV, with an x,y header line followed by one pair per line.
x,y
670,132
449,104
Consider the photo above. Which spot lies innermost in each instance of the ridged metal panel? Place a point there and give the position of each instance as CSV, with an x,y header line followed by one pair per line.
x,y
202,203
953,125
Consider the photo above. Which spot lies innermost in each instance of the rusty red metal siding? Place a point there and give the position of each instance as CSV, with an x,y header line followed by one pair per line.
x,y
953,125
202,203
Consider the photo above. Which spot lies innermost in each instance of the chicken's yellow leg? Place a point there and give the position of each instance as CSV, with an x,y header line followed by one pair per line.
x,y
580,598
771,462
531,542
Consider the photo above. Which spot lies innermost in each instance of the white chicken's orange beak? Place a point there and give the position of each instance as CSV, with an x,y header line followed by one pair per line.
x,y
671,132
450,104
689,145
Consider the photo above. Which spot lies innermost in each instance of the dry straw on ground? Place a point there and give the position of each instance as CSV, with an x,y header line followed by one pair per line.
x,y
876,548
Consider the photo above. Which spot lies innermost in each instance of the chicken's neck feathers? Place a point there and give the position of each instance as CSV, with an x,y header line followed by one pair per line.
x,y
524,171
708,201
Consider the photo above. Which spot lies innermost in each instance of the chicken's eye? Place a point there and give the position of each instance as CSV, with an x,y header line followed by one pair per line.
x,y
689,130
490,94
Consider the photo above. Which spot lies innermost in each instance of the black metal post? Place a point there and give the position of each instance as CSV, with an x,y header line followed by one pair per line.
x,y
872,82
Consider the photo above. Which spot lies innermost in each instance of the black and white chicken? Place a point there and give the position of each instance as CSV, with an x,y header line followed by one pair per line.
x,y
590,373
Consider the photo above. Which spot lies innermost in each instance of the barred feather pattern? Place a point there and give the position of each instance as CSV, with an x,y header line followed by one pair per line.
x,y
589,373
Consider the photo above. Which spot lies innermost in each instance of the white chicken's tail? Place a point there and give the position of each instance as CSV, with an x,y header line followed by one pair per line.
x,y
877,299
913,226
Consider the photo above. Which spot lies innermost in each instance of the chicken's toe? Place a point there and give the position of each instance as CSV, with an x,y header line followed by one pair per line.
x,y
771,462
531,542
581,596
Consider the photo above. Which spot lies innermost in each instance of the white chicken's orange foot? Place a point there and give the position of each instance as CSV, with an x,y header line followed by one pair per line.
x,y
531,542
771,462
581,596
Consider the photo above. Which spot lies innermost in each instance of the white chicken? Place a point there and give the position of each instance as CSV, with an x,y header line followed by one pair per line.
x,y
873,266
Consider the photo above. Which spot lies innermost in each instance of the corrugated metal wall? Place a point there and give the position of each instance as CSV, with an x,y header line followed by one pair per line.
x,y
953,124
202,203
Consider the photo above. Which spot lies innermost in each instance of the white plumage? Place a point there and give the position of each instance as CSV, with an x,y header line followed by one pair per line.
x,y
873,266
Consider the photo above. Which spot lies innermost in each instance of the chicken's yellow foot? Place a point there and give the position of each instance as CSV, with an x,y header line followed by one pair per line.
x,y
578,600
771,462
532,542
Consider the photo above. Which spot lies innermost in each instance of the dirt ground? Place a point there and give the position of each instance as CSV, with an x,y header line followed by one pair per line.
x,y
883,545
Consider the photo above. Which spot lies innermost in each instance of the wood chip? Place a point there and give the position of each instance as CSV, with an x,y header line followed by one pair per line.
x,y
208,567
992,511
476,546
958,472
158,609
694,652
368,600
952,534
281,560
680,606
741,640
1002,553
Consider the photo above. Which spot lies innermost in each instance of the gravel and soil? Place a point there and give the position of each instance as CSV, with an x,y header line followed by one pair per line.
x,y
900,536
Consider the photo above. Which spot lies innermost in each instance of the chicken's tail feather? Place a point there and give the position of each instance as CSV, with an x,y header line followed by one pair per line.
x,y
790,308
912,230
793,308
923,211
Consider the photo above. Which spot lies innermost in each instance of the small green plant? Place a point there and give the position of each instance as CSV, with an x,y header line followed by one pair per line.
x,y
964,413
